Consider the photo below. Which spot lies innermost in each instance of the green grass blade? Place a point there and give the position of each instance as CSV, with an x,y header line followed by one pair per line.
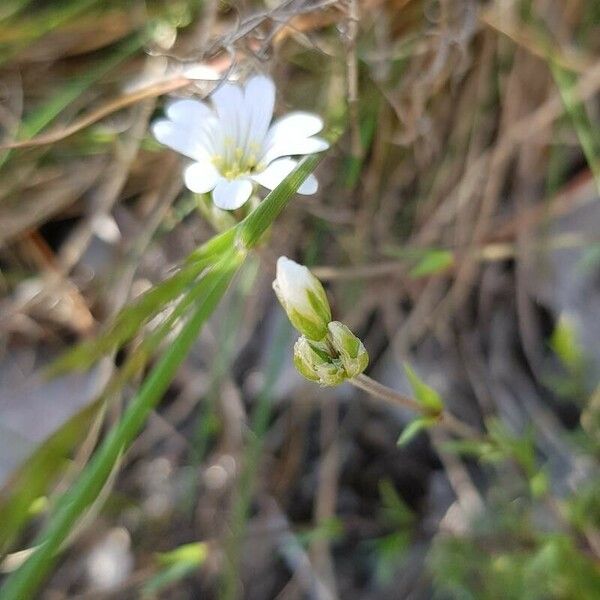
x,y
25,581
40,118
35,476
128,322
34,27
213,247
587,134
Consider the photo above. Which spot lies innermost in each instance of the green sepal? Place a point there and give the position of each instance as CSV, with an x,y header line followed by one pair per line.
x,y
312,360
350,349
313,330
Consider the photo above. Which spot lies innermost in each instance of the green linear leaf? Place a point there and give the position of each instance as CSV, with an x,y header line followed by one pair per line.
x,y
433,261
258,221
35,476
195,553
43,116
426,396
586,132
26,580
566,345
128,322
415,427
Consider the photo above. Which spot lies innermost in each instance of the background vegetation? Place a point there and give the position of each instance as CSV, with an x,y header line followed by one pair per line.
x,y
456,228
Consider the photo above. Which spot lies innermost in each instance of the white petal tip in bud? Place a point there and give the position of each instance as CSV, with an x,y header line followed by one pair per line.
x,y
303,298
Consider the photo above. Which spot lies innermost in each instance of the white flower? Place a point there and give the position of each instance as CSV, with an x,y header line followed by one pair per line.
x,y
303,298
233,144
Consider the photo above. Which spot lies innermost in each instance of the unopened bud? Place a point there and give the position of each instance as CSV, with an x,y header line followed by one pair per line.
x,y
312,360
350,349
303,298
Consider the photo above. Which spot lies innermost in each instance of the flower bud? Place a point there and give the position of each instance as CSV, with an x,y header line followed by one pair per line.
x,y
303,298
350,349
313,362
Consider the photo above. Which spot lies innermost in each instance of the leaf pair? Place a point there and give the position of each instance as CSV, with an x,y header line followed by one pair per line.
x,y
429,400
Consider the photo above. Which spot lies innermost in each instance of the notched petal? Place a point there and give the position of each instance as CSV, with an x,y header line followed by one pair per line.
x,y
187,111
229,195
201,177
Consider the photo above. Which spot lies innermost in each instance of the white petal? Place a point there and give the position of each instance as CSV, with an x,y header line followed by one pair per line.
x,y
275,173
292,282
201,177
187,111
296,125
294,147
186,140
199,71
228,101
278,170
229,195
259,98
309,186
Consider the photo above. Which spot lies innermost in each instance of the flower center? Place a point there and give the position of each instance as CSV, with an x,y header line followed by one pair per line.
x,y
237,160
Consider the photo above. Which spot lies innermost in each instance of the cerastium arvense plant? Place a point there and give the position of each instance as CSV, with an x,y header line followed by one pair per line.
x,y
234,148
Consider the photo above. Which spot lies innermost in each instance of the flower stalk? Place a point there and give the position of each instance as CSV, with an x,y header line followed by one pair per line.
x,y
394,398
328,353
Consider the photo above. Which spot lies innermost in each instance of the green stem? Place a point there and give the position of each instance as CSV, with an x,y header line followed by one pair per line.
x,y
445,419
258,221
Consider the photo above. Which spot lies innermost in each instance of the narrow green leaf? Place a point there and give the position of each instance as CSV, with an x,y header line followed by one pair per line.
x,y
214,247
166,577
37,474
433,261
25,581
565,343
330,529
426,396
259,220
587,133
484,450
128,322
395,510
539,484
194,553
415,427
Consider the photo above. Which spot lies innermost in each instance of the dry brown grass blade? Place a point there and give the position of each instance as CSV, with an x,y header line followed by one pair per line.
x,y
526,38
152,91
39,205
531,124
